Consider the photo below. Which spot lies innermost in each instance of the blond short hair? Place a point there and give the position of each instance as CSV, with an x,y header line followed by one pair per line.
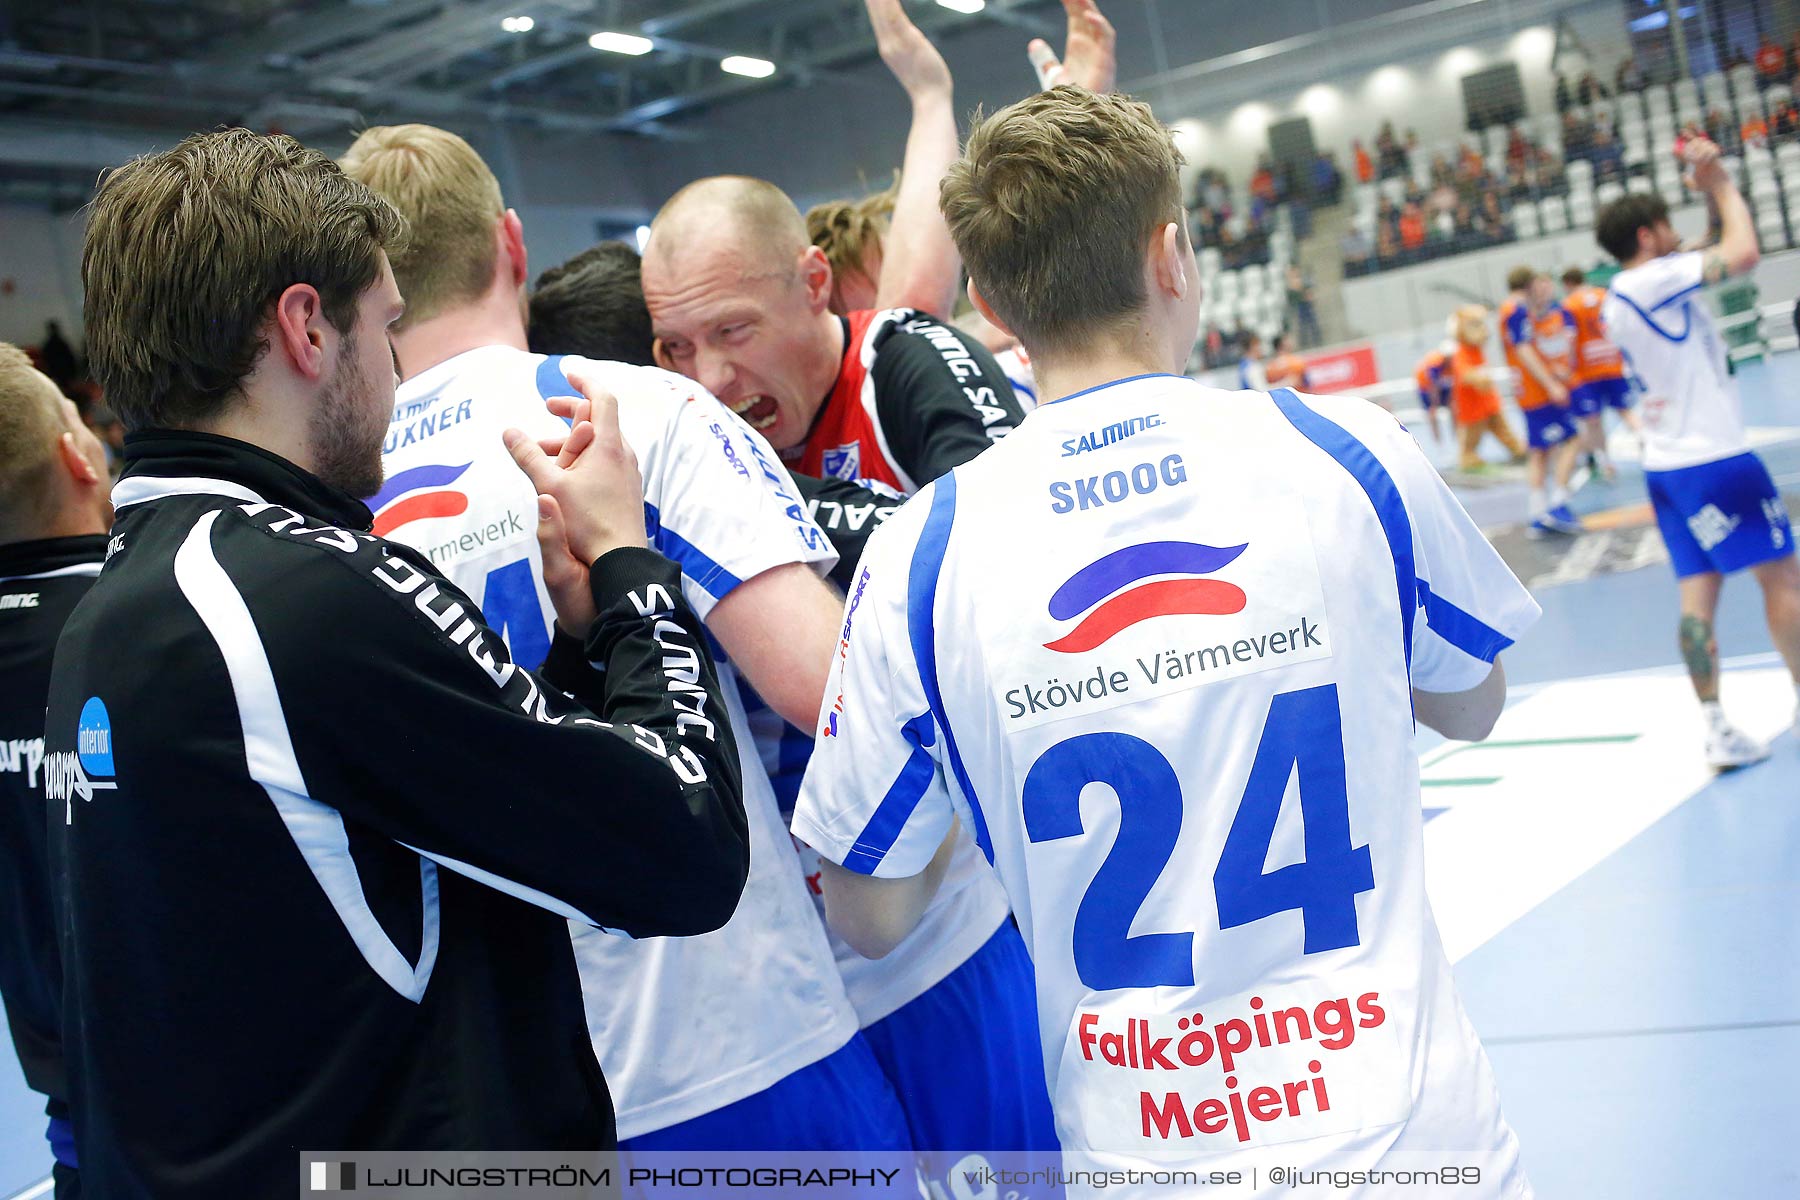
x,y
1053,205
1520,278
449,199
846,230
186,251
31,419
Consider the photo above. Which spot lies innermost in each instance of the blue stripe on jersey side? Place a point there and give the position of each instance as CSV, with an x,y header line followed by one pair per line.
x,y
715,580
902,798
921,594
550,378
1377,484
1465,631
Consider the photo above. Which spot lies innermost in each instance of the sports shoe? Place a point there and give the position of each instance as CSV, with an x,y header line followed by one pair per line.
x,y
1558,520
1728,748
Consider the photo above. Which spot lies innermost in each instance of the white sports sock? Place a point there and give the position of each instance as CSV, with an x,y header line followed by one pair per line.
x,y
1538,507
1559,496
1715,716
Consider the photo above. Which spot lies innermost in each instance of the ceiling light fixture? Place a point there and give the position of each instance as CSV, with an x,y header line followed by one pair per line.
x,y
622,43
753,68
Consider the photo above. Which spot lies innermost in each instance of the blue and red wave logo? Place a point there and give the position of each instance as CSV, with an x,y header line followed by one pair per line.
x,y
1128,586
416,494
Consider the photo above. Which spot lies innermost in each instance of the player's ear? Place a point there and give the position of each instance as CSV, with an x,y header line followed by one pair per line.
x,y
77,465
982,307
816,277
1169,252
512,242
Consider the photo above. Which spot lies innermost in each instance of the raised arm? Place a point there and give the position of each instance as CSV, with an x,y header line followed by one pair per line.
x,y
1737,251
919,264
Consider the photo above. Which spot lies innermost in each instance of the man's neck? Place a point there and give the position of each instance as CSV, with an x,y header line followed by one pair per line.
x,y
823,374
1636,260
1060,375
493,321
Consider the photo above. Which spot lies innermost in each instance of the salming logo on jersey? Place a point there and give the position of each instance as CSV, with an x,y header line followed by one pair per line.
x,y
1108,434
19,600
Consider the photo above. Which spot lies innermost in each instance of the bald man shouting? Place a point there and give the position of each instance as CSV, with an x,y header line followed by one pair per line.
x,y
740,301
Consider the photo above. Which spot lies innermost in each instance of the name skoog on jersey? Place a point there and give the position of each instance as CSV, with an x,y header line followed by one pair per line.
x,y
1155,617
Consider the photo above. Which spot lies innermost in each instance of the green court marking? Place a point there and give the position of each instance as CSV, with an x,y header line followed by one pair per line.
x,y
1606,739
1474,781
1609,739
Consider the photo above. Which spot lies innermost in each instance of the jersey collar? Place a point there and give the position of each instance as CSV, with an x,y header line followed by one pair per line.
x,y
164,462
51,555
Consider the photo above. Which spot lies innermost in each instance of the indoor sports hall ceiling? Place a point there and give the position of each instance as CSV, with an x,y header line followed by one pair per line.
x,y
306,66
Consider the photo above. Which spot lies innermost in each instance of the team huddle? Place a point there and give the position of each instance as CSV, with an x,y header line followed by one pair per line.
x,y
721,716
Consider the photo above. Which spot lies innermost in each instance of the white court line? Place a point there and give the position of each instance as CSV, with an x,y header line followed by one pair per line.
x,y
1553,812
41,1188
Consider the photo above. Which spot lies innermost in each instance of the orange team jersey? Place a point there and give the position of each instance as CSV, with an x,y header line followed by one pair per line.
x,y
1551,335
1287,370
1596,359
1473,403
1431,378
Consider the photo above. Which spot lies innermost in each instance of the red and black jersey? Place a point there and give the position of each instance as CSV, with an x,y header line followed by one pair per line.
x,y
914,398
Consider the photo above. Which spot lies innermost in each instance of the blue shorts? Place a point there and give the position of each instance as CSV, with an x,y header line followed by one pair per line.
x,y
1720,516
841,1102
1548,425
1588,399
966,1058
1430,398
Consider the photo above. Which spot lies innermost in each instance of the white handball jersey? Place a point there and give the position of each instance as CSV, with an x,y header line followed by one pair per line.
x,y
682,1026
1170,695
1655,315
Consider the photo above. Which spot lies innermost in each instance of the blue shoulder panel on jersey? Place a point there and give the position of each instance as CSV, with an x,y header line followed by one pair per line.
x,y
1465,631
550,378
1687,315
1377,484
921,593
695,563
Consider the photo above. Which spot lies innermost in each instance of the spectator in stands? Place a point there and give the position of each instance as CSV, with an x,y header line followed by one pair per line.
x,y
1577,136
1356,247
58,358
1630,77
1563,103
1720,129
1251,376
1591,89
1771,62
1391,155
1793,59
1755,130
1286,369
1607,156
1785,120
1301,307
1327,180
1492,221
1517,149
1365,166
1412,226
1735,58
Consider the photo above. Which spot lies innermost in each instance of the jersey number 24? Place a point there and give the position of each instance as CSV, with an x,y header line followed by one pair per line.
x,y
1304,733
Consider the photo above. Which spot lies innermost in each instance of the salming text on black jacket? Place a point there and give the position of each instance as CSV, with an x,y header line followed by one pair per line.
x,y
313,836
